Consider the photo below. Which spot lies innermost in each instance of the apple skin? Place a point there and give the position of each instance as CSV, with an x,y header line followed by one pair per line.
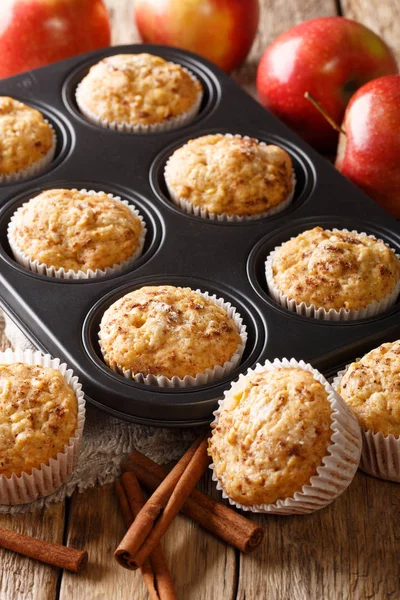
x,y
330,57
369,153
34,33
220,30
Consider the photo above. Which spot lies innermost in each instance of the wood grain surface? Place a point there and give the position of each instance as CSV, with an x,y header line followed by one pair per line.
x,y
350,550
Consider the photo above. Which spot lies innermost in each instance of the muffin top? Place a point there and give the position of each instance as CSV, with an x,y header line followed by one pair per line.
x,y
76,230
371,387
138,89
25,137
272,434
230,174
164,330
38,416
335,269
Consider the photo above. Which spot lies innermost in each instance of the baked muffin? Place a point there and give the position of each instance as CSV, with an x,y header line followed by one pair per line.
x,y
139,92
229,176
351,274
167,332
27,140
272,443
65,233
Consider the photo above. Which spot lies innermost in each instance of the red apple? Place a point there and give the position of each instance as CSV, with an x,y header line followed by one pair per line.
x,y
369,151
34,33
330,58
220,30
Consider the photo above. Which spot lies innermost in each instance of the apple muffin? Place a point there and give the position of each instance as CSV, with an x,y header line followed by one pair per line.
x,y
27,140
231,176
139,92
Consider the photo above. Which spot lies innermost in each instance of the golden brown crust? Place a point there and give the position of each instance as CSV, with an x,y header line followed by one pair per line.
x,y
138,89
164,330
77,230
272,434
230,174
371,387
38,416
25,137
335,269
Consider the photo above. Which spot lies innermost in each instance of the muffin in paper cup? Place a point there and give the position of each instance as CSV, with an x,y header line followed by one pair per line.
x,y
204,213
60,273
46,479
209,375
311,310
338,466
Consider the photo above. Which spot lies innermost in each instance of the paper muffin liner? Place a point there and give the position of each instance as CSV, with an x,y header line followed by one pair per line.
x,y
339,465
380,454
173,123
50,271
210,375
310,310
35,168
204,213
44,480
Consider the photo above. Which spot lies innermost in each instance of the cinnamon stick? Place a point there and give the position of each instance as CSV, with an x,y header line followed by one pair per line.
x,y
46,552
218,519
162,507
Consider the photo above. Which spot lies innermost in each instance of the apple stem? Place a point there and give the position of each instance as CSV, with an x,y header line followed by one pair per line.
x,y
323,112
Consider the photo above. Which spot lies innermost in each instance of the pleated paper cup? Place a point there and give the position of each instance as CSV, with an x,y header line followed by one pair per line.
x,y
210,375
380,454
46,479
319,312
60,273
204,213
339,465
172,123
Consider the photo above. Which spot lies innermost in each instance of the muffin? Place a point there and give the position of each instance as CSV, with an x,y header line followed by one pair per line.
x,y
230,177
76,234
334,274
171,336
41,421
27,140
371,388
283,441
139,93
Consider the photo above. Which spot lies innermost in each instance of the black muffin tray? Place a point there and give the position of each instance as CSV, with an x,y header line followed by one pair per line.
x,y
62,316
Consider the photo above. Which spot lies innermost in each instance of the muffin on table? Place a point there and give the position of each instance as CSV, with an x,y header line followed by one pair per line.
x,y
139,93
76,234
27,140
171,336
334,274
230,177
371,388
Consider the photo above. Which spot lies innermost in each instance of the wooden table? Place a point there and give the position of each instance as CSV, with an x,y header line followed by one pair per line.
x,y
349,550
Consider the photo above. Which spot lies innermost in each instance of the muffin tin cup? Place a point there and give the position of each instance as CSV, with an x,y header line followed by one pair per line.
x,y
310,310
210,375
51,271
338,466
173,123
380,454
204,213
45,480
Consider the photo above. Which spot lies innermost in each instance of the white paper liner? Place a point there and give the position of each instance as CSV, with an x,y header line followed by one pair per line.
x,y
209,375
173,123
204,213
37,167
50,271
310,310
380,454
338,466
48,477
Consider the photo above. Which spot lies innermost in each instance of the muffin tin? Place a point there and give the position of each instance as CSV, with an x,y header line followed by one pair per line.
x,y
62,316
